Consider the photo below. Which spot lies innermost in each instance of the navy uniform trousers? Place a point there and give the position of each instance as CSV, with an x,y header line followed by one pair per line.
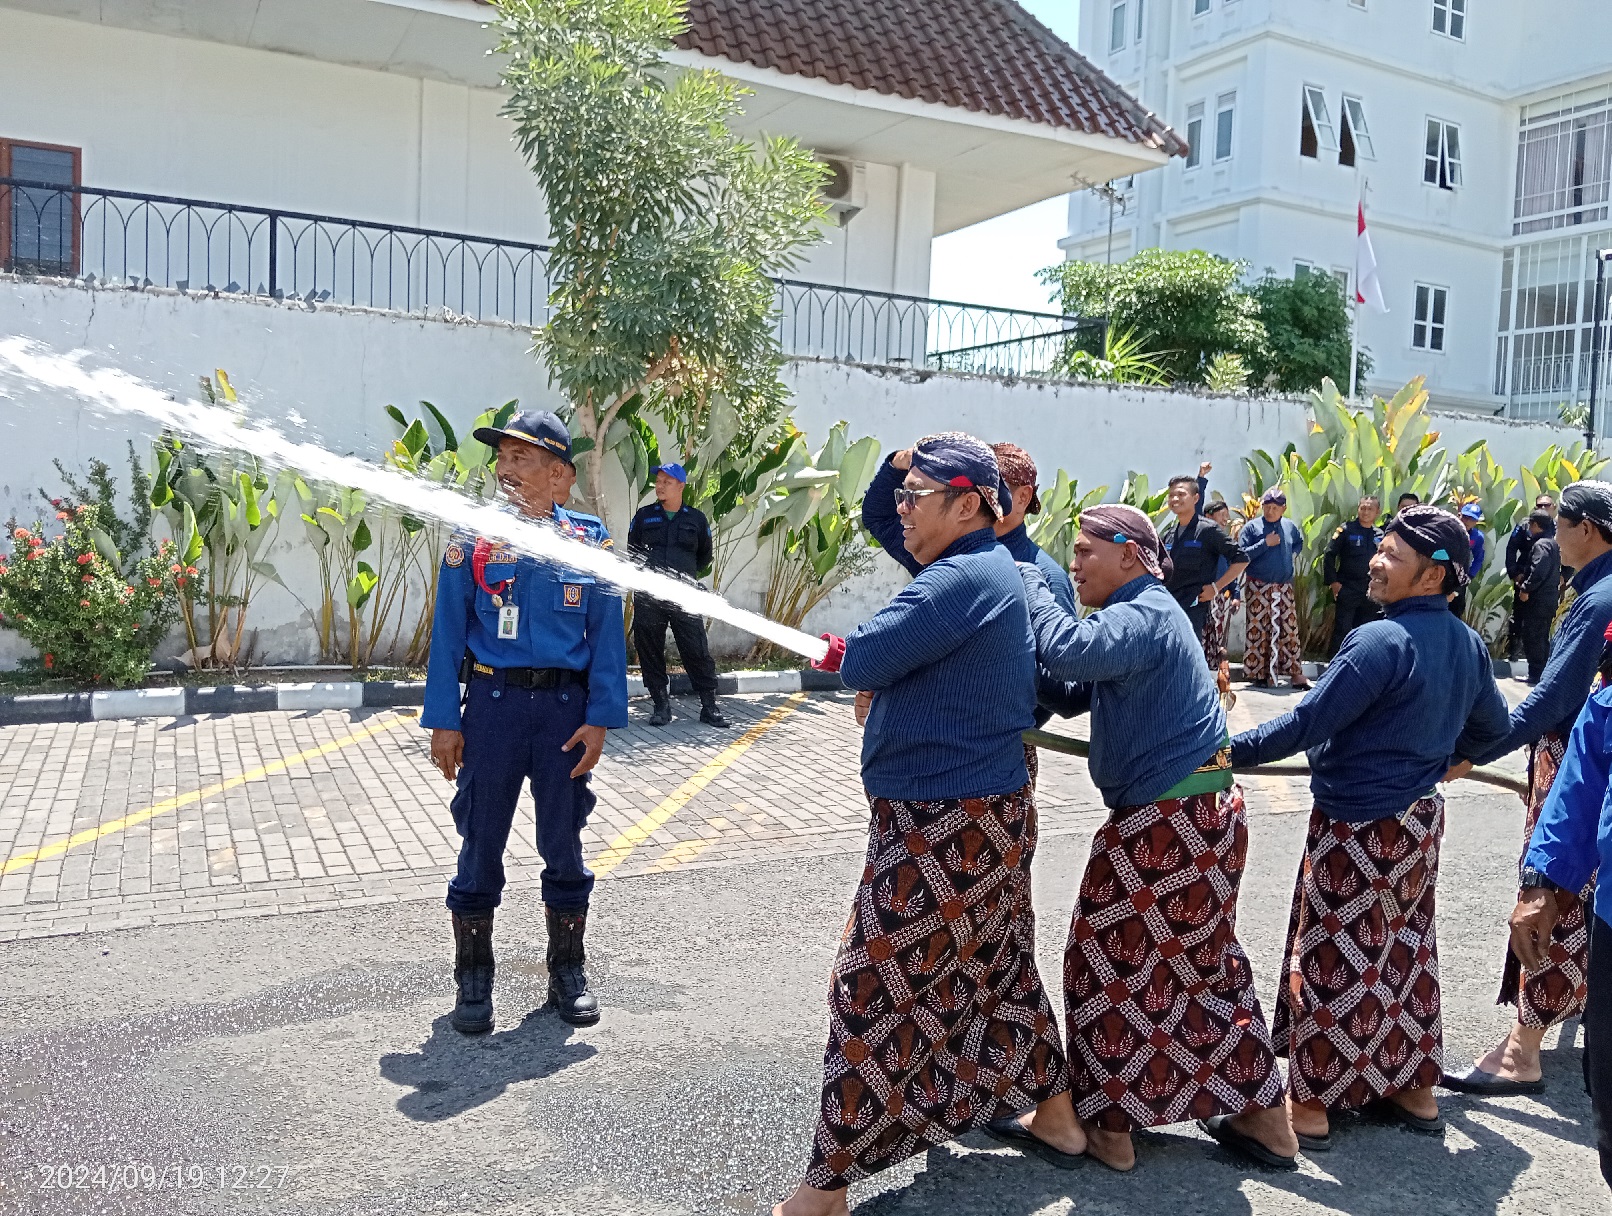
x,y
515,734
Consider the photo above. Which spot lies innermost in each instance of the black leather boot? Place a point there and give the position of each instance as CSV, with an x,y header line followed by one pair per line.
x,y
473,972
709,713
663,712
568,982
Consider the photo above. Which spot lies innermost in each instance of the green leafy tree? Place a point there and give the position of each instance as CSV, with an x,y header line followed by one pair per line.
x,y
1186,305
1306,333
665,225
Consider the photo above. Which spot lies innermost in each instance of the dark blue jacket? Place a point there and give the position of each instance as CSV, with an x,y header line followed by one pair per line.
x,y
1575,656
566,620
883,522
951,664
1137,664
1271,563
1404,697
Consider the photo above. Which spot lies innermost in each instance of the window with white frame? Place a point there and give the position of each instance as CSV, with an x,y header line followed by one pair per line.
x,y
1355,139
1315,126
1117,26
1194,135
1200,7
1427,330
1357,3
1441,166
1139,6
1225,118
1449,19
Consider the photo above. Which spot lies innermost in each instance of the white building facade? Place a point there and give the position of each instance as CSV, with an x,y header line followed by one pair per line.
x,y
1479,135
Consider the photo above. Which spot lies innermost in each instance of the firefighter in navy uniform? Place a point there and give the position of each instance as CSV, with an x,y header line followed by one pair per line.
x,y
1348,555
674,538
541,652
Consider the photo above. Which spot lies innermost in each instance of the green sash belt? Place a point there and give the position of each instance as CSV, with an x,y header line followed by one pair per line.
x,y
1210,778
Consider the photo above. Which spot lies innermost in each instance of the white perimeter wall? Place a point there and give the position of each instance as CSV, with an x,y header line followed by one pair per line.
x,y
327,375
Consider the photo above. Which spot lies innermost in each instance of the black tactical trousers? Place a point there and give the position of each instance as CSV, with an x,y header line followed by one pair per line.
x,y
1354,610
650,617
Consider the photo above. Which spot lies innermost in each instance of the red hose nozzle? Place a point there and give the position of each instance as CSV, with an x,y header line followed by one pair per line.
x,y
835,656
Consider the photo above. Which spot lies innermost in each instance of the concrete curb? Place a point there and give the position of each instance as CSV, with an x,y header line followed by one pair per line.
x,y
337,694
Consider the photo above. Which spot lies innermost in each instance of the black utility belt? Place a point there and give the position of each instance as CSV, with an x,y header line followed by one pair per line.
x,y
529,677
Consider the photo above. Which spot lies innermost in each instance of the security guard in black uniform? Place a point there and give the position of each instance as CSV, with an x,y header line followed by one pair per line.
x,y
675,538
1343,567
542,656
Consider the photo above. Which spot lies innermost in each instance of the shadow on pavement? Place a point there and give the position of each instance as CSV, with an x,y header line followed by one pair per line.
x,y
451,1074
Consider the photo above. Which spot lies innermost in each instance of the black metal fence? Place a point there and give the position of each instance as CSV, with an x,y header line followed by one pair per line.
x,y
121,237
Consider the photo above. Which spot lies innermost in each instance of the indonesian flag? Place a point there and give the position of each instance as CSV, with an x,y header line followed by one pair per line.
x,y
1368,288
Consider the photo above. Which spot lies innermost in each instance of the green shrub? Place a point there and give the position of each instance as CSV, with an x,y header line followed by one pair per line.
x,y
66,595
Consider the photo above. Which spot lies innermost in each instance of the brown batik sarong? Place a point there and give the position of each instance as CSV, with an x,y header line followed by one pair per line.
x,y
1359,1017
1164,1024
1273,632
937,1015
1215,626
1549,997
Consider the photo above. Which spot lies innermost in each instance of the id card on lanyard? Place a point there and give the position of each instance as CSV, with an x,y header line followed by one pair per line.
x,y
509,623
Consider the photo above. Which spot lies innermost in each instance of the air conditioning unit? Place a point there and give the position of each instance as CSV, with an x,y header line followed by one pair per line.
x,y
845,189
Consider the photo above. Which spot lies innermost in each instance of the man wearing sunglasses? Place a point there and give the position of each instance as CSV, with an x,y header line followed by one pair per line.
x,y
937,1015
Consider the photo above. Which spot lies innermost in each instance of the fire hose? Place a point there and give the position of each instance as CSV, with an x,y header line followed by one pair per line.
x,y
1485,774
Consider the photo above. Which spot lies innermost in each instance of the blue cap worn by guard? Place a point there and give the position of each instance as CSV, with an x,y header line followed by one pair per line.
x,y
675,471
1471,511
963,462
537,427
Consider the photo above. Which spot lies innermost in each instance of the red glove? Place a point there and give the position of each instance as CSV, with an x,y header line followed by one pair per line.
x,y
835,656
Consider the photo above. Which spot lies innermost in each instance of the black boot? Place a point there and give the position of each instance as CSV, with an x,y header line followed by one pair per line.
x,y
568,982
473,972
663,712
709,713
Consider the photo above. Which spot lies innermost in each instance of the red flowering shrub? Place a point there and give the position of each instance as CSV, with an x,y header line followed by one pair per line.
x,y
68,598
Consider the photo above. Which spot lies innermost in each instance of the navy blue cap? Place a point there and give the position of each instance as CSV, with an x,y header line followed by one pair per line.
x,y
962,462
676,471
538,427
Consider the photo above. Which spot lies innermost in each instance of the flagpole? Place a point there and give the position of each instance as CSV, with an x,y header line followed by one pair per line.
x,y
1354,345
1355,293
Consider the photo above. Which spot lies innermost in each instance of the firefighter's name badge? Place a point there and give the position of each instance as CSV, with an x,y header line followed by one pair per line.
x,y
509,622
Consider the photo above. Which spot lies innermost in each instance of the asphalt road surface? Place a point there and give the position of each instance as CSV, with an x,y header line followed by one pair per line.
x,y
304,1064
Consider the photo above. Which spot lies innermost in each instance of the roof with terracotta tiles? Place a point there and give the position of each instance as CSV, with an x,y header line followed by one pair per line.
x,y
986,56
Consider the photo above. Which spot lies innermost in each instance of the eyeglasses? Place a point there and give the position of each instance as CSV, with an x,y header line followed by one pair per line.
x,y
909,498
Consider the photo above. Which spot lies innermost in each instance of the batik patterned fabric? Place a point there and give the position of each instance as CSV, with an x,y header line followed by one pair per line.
x,y
1359,1017
1549,997
1215,627
1273,632
938,1019
1164,1024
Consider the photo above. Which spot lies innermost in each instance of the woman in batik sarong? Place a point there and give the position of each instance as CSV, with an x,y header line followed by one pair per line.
x,y
938,1020
1162,1017
1542,723
1358,1016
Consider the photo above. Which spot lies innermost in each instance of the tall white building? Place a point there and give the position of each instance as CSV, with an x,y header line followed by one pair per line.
x,y
1479,133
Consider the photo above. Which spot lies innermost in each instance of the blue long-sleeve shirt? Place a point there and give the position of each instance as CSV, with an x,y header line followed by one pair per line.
x,y
1479,548
951,664
1403,697
1137,664
1271,563
566,620
883,522
1574,833
1575,655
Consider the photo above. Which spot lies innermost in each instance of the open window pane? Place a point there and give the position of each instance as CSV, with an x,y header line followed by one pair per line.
x,y
1354,123
1316,131
1194,135
1452,156
1116,27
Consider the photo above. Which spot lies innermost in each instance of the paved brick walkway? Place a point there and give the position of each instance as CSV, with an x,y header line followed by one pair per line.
x,y
173,820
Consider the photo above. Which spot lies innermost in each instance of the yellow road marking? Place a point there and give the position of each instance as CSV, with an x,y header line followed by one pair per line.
x,y
619,848
89,835
681,852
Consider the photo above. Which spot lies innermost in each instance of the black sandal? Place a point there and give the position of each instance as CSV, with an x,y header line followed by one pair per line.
x,y
1219,1128
1385,1110
1009,1131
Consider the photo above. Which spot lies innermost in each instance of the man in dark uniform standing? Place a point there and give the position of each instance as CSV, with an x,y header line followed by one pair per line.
x,y
542,654
675,538
1346,569
1196,545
